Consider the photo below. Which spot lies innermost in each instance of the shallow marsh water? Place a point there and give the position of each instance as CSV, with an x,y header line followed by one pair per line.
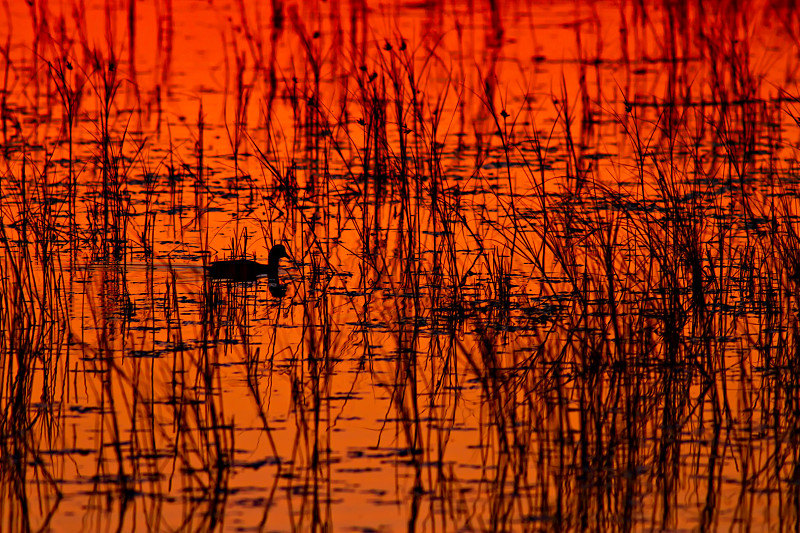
x,y
545,266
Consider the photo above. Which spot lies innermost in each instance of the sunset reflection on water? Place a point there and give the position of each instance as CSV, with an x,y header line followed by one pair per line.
x,y
543,272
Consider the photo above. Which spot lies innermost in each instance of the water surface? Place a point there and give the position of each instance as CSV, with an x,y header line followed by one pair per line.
x,y
544,273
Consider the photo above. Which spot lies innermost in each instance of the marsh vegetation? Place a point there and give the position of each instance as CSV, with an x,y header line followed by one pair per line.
x,y
545,266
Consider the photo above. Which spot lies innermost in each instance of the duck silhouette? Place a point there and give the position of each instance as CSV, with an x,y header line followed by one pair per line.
x,y
249,270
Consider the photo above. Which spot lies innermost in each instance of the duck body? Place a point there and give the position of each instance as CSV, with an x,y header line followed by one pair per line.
x,y
237,269
247,269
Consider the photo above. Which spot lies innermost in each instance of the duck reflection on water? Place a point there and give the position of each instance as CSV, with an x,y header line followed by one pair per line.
x,y
239,270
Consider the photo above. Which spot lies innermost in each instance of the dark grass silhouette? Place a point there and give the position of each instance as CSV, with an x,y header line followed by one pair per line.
x,y
606,322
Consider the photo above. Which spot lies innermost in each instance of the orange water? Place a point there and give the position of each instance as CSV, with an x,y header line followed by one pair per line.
x,y
434,311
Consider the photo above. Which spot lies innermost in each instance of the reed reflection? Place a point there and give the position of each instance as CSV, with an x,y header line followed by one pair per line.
x,y
547,272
